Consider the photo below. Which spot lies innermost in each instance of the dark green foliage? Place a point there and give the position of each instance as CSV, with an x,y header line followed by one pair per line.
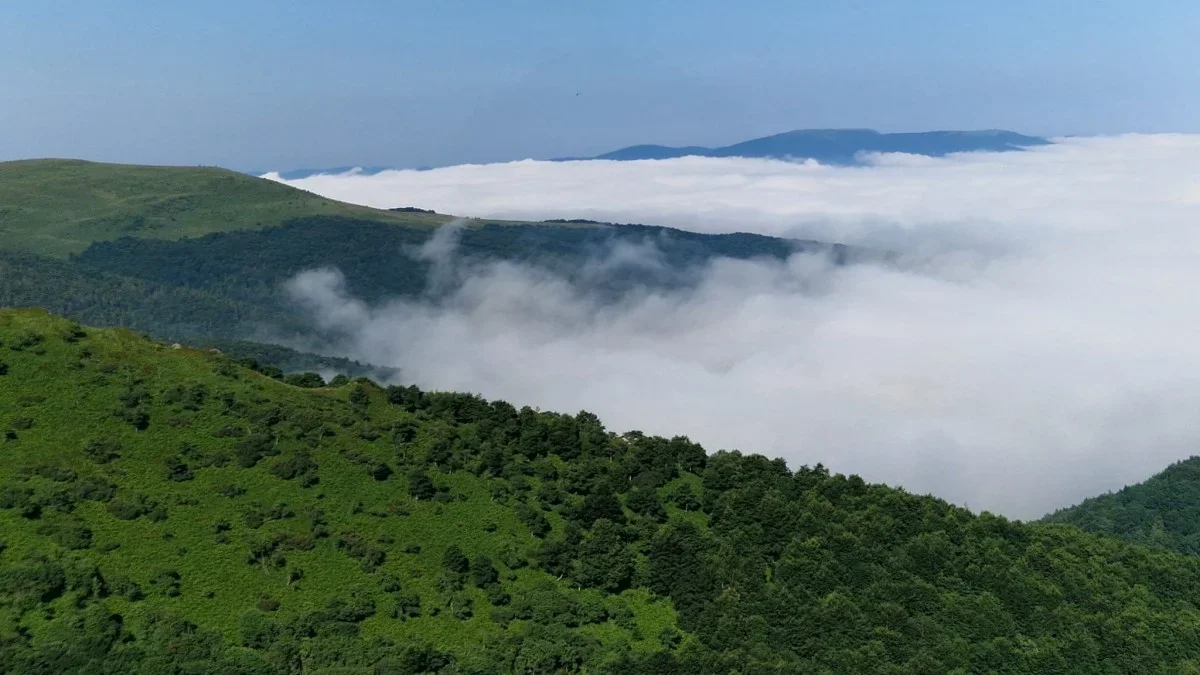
x,y
300,465
605,561
167,583
102,451
176,469
420,486
253,448
623,554
645,502
1163,511
684,498
381,471
354,545
455,561
597,505
69,534
305,380
358,395
95,488
483,573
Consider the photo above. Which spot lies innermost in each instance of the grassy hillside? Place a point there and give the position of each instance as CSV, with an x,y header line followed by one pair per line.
x,y
56,207
200,254
167,511
1163,511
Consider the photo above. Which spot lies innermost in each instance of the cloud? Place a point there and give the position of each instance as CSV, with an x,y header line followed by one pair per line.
x,y
1036,344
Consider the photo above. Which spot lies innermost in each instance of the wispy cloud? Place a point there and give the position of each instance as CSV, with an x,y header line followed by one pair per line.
x,y
1037,343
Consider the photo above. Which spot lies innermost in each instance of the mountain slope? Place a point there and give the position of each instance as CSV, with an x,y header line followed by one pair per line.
x,y
1163,511
841,146
200,254
57,207
164,510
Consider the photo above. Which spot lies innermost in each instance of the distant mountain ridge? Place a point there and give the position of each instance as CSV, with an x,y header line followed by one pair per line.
x,y
827,146
838,146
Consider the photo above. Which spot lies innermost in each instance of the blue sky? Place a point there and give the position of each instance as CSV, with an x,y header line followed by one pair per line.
x,y
276,85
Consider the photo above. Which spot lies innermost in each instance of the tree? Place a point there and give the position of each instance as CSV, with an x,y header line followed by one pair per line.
x,y
678,566
420,486
685,498
177,470
605,561
600,504
455,561
305,380
644,502
483,573
359,396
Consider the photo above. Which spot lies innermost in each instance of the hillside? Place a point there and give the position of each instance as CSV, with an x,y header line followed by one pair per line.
x,y
57,207
1163,511
166,510
840,146
200,254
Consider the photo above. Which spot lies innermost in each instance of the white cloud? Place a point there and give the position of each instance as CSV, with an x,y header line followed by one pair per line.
x,y
1037,345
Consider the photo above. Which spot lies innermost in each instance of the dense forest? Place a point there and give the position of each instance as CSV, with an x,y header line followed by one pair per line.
x,y
1163,511
378,262
170,510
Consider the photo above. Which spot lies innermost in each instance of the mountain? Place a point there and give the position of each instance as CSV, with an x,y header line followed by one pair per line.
x,y
827,146
59,207
200,254
167,510
1163,511
297,174
839,146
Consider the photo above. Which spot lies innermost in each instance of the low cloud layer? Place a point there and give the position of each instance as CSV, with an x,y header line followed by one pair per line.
x,y
1036,345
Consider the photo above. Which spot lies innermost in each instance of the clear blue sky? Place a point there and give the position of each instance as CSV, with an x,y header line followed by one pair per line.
x,y
257,84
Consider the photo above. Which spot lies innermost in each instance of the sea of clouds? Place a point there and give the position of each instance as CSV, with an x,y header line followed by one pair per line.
x,y
1036,341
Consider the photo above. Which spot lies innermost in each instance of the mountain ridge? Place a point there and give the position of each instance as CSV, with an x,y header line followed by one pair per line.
x,y
827,146
1162,511
839,146
200,253
169,510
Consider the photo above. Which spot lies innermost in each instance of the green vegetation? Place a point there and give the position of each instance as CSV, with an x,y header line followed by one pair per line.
x,y
56,207
250,266
1163,511
199,254
170,511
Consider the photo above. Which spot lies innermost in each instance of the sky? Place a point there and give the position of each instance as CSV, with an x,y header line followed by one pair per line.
x,y
1033,344
273,85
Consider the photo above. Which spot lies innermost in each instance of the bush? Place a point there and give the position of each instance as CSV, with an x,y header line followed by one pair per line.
x,y
95,488
167,582
305,380
71,535
123,509
102,451
177,470
408,606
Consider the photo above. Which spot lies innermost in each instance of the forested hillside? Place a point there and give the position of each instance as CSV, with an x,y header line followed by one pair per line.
x,y
200,254
1163,511
171,511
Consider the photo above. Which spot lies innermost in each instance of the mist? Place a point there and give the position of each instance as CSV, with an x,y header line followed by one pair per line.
x,y
1035,344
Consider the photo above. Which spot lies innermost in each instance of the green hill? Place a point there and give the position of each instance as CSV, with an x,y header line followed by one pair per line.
x,y
167,511
57,206
1163,511
200,254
